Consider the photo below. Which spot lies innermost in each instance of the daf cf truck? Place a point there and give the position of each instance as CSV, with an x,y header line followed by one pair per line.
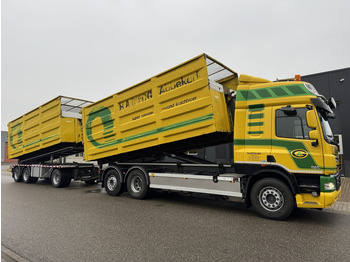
x,y
284,154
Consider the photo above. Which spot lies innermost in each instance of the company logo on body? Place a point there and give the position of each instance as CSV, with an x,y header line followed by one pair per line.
x,y
299,153
178,83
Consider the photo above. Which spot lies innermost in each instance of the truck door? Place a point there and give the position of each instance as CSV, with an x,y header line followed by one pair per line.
x,y
292,148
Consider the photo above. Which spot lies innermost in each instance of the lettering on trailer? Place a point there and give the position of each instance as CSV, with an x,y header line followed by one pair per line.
x,y
142,116
136,100
179,103
178,83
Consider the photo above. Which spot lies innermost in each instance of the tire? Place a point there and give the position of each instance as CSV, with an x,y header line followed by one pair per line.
x,y
271,198
60,179
113,183
16,174
137,185
26,175
27,178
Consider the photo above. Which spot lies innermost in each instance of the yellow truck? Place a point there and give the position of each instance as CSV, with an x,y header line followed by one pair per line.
x,y
284,154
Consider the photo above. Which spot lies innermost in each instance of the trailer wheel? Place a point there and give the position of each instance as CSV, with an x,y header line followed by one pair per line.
x,y
26,175
60,179
27,178
112,183
271,198
17,174
137,184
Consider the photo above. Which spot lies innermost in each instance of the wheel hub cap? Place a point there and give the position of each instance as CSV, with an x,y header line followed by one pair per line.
x,y
271,199
136,184
112,183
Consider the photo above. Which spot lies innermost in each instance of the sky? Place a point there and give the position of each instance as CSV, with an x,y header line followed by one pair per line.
x,y
90,49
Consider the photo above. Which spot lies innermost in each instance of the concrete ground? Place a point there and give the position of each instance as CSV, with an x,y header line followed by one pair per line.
x,y
342,205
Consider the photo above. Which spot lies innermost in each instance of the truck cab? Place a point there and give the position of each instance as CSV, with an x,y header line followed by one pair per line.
x,y
284,134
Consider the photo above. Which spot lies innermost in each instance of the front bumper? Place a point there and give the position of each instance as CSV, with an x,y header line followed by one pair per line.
x,y
324,200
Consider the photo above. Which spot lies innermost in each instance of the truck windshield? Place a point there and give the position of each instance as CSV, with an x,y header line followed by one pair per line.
x,y
326,128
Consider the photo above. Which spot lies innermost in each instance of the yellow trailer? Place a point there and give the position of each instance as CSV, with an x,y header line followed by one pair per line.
x,y
179,109
49,129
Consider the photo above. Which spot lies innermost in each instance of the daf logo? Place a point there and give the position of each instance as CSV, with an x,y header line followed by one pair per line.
x,y
299,153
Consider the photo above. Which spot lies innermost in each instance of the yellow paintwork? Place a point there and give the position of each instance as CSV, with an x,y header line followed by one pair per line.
x,y
324,200
255,134
255,153
41,128
172,106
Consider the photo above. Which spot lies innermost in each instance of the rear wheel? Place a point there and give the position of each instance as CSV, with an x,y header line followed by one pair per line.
x,y
17,174
137,184
113,183
60,179
27,178
26,175
271,198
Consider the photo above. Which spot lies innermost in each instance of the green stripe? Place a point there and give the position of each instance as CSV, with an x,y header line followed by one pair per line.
x,y
37,141
256,107
256,116
256,124
255,132
158,130
273,92
304,163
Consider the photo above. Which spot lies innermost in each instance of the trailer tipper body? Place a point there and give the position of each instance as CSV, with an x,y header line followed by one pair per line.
x,y
284,154
53,126
49,132
177,110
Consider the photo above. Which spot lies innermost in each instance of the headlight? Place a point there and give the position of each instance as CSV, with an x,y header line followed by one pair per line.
x,y
329,186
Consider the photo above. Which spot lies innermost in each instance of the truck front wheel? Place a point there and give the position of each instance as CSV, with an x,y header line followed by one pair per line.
x,y
271,198
112,183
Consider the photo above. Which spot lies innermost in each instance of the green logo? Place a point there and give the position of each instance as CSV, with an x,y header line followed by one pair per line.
x,y
299,153
16,129
105,116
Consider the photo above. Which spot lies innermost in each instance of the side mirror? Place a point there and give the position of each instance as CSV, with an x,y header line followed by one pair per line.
x,y
332,104
311,119
314,135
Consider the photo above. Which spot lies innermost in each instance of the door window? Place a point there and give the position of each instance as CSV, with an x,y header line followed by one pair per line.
x,y
292,125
